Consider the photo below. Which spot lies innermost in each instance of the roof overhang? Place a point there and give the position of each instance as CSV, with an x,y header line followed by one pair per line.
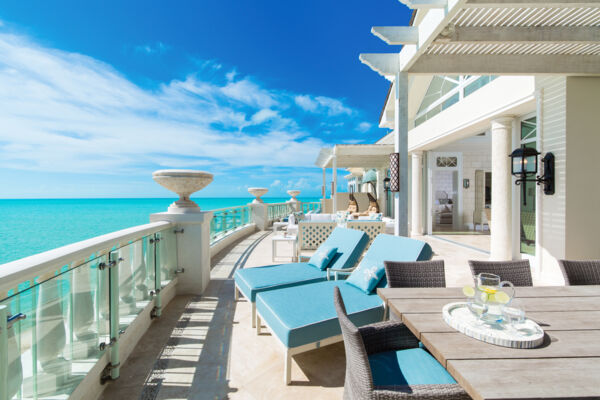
x,y
499,37
355,156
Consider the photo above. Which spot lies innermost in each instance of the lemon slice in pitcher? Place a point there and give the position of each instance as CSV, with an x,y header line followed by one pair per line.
x,y
500,297
468,291
488,289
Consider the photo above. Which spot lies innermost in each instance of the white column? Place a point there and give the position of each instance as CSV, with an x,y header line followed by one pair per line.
x,y
324,194
501,229
416,194
401,146
334,188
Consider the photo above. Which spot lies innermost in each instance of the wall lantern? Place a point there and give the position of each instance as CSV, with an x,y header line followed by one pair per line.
x,y
386,184
525,168
395,172
466,183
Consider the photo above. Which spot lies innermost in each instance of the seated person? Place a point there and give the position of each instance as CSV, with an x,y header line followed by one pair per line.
x,y
372,209
352,206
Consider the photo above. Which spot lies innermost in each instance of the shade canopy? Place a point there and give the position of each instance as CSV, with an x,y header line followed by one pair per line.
x,y
355,156
494,37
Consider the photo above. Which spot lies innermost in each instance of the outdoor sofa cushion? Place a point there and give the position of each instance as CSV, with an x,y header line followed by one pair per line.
x,y
305,314
407,367
350,244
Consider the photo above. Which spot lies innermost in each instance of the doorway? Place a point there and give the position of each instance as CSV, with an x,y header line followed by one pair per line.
x,y
445,194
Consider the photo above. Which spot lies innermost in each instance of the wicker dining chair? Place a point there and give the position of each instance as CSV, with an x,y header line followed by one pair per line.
x,y
415,274
580,272
360,343
516,272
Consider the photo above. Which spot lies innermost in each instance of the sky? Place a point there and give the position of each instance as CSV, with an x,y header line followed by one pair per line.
x,y
94,96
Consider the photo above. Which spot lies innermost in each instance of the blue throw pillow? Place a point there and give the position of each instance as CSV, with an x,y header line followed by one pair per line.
x,y
322,257
367,275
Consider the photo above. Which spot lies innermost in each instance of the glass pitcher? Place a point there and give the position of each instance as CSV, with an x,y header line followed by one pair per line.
x,y
487,297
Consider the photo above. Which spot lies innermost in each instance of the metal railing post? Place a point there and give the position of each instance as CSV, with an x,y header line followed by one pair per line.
x,y
3,353
157,277
113,285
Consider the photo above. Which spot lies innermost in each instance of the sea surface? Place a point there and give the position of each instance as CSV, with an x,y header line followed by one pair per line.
x,y
31,226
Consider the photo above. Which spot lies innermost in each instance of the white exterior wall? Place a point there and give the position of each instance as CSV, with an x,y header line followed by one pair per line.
x,y
552,215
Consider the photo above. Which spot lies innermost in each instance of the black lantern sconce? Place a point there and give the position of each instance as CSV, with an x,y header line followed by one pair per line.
x,y
525,168
386,184
395,172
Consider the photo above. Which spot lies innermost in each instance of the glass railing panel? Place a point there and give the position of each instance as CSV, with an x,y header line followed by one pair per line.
x,y
136,279
58,342
166,255
228,220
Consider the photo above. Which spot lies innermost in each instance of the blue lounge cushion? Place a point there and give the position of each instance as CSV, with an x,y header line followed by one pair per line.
x,y
370,273
350,244
407,367
305,314
367,275
323,257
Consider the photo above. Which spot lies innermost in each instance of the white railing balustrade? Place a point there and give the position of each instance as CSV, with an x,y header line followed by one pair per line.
x,y
228,220
62,310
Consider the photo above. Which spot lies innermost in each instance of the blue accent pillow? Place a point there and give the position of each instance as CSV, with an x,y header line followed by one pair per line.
x,y
322,257
367,275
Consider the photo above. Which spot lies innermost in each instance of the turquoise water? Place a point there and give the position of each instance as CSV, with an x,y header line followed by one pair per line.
x,y
32,226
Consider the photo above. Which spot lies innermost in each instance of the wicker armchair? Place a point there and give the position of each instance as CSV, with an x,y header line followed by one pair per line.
x,y
580,272
360,343
417,274
516,272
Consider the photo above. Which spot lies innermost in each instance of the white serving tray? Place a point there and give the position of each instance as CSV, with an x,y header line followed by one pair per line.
x,y
527,335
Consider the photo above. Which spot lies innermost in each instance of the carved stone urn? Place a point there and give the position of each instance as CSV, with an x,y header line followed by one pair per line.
x,y
184,182
293,193
257,192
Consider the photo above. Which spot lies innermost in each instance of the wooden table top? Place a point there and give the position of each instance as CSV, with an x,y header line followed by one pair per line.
x,y
567,365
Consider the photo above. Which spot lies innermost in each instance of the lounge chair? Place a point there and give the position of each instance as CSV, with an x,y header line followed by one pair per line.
x,y
384,361
516,272
350,244
303,317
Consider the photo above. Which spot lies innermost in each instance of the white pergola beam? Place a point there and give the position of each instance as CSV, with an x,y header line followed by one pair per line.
x,y
506,64
385,64
531,3
424,4
397,35
506,34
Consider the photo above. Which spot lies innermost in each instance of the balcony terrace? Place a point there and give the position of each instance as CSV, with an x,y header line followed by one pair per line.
x,y
204,346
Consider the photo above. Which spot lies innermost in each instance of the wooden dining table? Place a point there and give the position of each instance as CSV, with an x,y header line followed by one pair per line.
x,y
566,365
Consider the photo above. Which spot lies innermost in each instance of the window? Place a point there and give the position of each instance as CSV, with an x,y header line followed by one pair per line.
x,y
446,162
444,91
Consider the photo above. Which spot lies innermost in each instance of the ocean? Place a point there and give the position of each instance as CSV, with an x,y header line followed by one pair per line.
x,y
31,226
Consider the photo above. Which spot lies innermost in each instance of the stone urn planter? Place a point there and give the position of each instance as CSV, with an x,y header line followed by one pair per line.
x,y
257,192
293,193
184,182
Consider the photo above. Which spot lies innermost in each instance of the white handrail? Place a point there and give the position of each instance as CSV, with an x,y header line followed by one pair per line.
x,y
26,269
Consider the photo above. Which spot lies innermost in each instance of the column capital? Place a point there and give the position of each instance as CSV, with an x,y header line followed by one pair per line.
x,y
503,120
417,153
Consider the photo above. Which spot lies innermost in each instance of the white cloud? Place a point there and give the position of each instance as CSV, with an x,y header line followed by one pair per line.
x,y
263,115
152,48
322,105
276,183
364,127
66,112
249,93
306,103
